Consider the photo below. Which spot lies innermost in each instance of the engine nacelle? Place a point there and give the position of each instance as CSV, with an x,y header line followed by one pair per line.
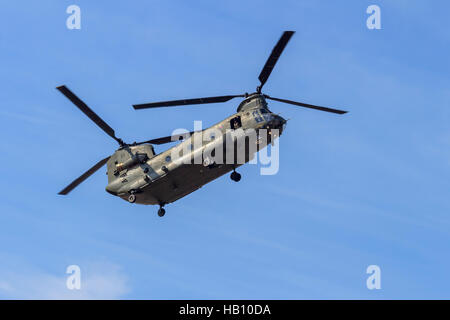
x,y
131,162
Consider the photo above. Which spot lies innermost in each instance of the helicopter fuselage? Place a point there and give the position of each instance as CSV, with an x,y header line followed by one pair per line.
x,y
159,179
137,174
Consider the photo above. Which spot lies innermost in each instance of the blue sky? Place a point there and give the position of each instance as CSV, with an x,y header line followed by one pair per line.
x,y
370,187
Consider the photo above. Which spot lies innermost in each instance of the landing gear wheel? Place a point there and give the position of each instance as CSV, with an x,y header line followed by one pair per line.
x,y
236,177
161,212
132,198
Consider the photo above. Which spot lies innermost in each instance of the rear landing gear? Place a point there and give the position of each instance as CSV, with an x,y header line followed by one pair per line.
x,y
132,198
236,177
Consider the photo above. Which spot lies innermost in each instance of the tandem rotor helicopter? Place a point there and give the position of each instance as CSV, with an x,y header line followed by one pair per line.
x,y
138,175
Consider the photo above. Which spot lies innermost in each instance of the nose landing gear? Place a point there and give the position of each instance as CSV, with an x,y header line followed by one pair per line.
x,y
161,211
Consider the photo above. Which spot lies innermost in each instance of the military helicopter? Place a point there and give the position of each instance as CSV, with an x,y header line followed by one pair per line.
x,y
138,175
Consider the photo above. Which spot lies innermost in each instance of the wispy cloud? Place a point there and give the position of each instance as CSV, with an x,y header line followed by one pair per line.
x,y
98,281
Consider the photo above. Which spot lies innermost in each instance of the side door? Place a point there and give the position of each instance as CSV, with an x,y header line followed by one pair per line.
x,y
235,123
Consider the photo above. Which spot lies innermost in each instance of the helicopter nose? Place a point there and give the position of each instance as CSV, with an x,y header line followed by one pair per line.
x,y
282,120
278,122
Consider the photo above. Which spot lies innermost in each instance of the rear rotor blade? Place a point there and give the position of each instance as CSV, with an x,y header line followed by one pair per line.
x,y
311,106
88,112
273,58
83,177
186,102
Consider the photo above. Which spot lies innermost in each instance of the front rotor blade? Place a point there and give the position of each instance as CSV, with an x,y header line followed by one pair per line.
x,y
273,58
173,138
88,111
311,106
83,177
185,102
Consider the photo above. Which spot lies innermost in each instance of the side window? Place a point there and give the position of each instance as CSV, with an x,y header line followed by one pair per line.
x,y
235,123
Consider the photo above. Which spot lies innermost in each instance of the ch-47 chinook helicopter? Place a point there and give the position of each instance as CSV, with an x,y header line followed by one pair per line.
x,y
137,174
